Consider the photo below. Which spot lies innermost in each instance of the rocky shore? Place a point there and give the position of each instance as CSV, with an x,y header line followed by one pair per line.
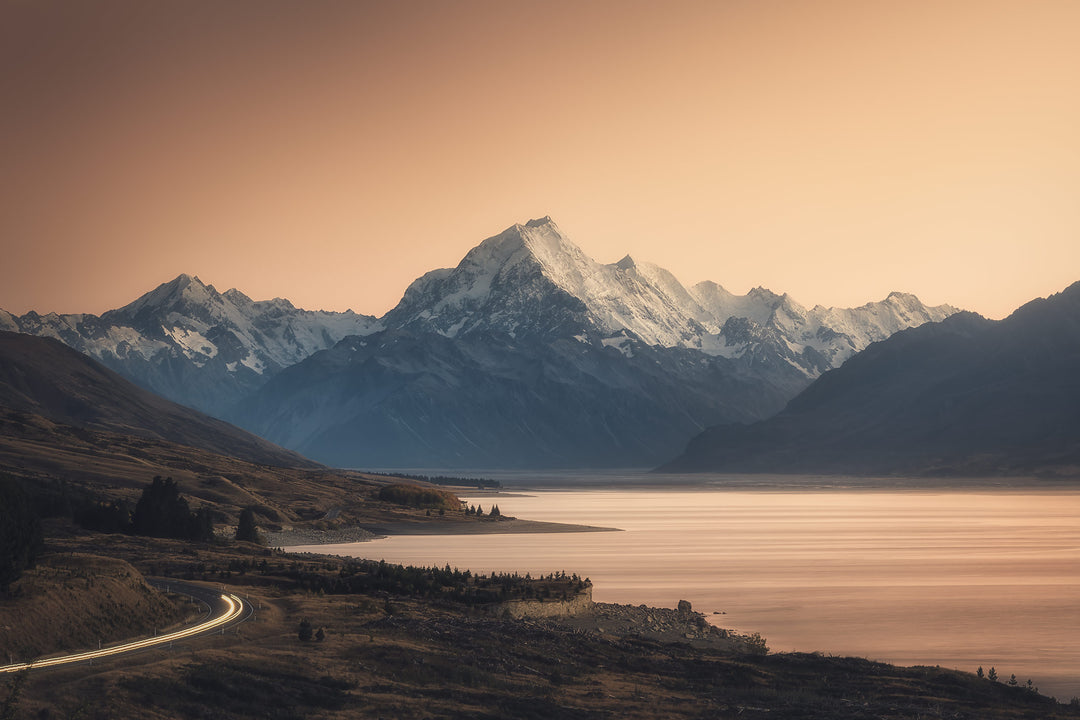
x,y
311,536
682,624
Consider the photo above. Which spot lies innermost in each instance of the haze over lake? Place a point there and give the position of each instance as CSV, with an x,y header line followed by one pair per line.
x,y
957,578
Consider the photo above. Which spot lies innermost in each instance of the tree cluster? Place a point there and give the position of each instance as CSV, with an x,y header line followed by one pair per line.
x,y
480,483
419,497
1013,682
20,531
478,511
370,577
160,512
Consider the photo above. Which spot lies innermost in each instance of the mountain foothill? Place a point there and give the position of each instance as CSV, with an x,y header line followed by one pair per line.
x,y
530,354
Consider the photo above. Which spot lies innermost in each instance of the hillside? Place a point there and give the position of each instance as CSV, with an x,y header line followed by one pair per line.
x,y
44,377
390,650
966,396
72,601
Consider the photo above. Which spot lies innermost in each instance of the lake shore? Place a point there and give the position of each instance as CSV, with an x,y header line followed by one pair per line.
x,y
364,533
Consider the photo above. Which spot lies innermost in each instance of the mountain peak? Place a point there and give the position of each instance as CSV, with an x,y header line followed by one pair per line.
x,y
539,239
540,222
182,287
627,263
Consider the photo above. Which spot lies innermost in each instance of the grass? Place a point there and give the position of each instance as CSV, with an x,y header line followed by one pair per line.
x,y
398,654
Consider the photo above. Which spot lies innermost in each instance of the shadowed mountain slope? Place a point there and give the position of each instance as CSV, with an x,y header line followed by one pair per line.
x,y
44,377
529,353
964,396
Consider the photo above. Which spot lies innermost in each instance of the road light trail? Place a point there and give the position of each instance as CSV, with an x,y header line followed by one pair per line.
x,y
234,607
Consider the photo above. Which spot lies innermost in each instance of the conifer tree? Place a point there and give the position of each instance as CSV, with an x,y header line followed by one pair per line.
x,y
246,530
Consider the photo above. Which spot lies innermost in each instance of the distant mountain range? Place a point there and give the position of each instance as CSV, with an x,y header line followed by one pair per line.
x,y
966,396
527,354
196,346
531,354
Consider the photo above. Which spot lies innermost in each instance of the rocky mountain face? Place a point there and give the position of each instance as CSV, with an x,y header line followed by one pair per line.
x,y
196,346
966,396
531,354
412,399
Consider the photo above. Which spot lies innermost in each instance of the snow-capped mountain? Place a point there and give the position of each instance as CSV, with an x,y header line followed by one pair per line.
x,y
529,353
964,397
531,280
188,342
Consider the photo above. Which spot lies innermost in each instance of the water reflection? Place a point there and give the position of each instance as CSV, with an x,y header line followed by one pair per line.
x,y
957,578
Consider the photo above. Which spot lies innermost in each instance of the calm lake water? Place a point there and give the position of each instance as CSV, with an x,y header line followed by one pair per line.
x,y
954,578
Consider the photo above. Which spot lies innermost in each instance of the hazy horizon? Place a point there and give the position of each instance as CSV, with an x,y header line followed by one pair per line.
x,y
332,153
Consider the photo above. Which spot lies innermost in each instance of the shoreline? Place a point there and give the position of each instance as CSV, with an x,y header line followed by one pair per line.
x,y
304,537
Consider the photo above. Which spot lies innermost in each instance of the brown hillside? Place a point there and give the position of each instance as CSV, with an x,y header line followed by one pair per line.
x,y
72,601
45,377
61,460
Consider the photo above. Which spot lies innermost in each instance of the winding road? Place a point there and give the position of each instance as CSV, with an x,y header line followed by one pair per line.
x,y
224,610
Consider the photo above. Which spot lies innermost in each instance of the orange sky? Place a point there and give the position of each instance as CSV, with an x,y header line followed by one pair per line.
x,y
330,152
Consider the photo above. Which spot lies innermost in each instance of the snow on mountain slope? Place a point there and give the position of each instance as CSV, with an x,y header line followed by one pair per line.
x,y
194,345
195,319
531,279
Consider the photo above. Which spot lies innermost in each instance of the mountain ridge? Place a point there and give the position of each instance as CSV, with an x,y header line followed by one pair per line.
x,y
965,395
529,353
520,308
187,342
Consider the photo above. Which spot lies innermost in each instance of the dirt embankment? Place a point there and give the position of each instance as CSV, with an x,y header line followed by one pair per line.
x,y
72,601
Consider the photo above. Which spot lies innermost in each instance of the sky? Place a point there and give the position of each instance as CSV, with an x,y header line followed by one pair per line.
x,y
331,152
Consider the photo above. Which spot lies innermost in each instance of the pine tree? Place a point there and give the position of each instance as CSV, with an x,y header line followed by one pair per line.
x,y
979,673
992,675
246,530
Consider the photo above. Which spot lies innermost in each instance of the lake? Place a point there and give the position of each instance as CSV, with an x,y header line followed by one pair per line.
x,y
957,578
